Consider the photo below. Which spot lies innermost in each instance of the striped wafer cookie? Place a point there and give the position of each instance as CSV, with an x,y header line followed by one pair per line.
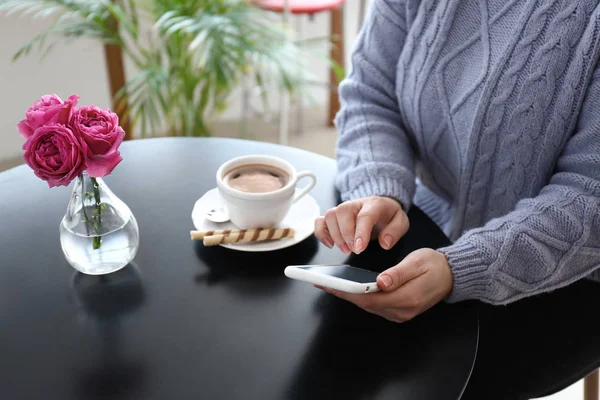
x,y
249,235
199,235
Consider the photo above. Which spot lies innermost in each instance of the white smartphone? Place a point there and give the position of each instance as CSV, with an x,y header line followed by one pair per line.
x,y
340,277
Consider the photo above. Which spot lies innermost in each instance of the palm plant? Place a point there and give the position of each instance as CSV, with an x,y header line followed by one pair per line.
x,y
196,53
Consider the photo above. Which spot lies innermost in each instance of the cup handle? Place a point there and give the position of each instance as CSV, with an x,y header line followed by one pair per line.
x,y
309,187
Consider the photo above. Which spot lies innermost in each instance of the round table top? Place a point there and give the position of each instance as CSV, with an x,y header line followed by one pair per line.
x,y
184,321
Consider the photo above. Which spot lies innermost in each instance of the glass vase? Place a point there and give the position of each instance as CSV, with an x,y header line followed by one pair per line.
x,y
98,234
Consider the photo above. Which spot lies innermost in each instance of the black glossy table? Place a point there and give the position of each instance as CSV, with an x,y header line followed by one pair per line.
x,y
187,322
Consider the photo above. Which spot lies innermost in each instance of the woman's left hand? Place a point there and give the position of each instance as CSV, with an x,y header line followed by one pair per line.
x,y
416,284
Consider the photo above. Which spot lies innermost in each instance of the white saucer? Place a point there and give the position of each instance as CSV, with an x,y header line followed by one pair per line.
x,y
301,217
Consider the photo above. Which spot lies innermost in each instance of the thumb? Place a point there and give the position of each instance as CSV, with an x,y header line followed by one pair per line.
x,y
396,276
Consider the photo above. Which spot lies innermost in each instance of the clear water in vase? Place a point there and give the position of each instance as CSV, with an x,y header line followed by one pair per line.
x,y
99,235
118,247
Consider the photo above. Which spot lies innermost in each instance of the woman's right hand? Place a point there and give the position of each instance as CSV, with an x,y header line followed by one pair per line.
x,y
351,225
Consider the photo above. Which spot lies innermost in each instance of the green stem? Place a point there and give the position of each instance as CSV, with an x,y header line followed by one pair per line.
x,y
97,240
87,219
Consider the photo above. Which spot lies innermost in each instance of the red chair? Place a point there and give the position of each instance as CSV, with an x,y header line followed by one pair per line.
x,y
310,8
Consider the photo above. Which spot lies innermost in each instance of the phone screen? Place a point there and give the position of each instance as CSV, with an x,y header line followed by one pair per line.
x,y
345,272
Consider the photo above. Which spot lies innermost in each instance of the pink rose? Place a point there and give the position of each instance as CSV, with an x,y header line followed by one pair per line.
x,y
50,109
100,130
55,154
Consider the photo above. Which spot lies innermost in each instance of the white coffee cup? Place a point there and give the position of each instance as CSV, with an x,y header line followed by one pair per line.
x,y
261,210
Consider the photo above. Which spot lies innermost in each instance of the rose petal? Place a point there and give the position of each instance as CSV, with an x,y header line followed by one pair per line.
x,y
49,109
55,154
119,135
24,129
103,165
99,129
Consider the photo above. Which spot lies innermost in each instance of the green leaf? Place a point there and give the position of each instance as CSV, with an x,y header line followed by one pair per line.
x,y
338,70
194,57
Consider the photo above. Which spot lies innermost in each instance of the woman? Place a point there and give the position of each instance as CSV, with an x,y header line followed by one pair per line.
x,y
486,115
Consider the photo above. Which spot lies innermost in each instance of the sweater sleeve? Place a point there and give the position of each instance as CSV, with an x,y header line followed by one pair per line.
x,y
374,154
549,240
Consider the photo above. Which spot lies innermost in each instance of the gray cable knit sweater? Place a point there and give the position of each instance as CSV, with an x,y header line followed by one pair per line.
x,y
486,115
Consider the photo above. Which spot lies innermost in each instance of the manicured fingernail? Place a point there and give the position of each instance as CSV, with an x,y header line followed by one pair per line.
x,y
387,239
328,242
350,245
358,245
344,248
386,280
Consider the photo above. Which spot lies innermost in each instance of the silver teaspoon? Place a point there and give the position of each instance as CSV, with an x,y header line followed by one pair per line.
x,y
217,214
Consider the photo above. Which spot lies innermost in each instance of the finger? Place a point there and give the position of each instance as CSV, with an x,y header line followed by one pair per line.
x,y
322,233
371,301
391,314
408,269
378,304
346,218
394,315
366,219
334,231
338,293
394,229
